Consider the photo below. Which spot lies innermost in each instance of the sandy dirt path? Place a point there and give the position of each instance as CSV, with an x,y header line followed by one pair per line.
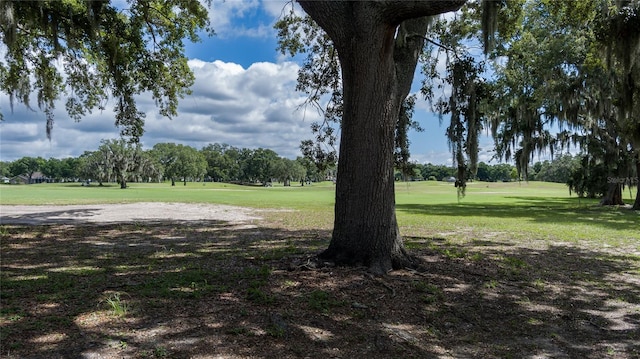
x,y
129,212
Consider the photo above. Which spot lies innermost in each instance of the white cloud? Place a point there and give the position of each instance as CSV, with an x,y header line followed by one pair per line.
x,y
253,107
225,15
278,8
433,157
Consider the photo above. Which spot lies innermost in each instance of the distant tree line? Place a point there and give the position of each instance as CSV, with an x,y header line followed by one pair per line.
x,y
486,172
583,176
120,161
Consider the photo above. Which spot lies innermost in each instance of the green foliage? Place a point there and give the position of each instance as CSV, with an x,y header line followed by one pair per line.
x,y
26,166
319,77
118,307
494,173
223,162
405,123
105,51
559,170
464,105
160,352
57,170
115,160
588,178
179,161
571,65
440,172
4,169
259,296
258,165
429,292
322,301
258,278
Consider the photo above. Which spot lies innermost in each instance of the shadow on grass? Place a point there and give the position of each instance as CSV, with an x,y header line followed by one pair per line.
x,y
220,290
69,215
537,209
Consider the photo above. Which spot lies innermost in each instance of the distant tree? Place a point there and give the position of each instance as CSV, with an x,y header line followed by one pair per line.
x,y
147,168
502,172
536,169
514,175
588,178
5,169
484,172
124,157
559,170
440,172
497,172
190,163
312,173
286,170
60,170
166,154
180,161
222,162
259,165
52,168
317,153
96,165
233,157
27,166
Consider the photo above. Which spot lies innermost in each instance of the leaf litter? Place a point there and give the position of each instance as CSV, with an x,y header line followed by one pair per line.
x,y
219,288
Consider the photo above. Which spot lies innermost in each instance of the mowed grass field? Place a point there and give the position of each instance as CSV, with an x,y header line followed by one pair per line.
x,y
512,270
523,209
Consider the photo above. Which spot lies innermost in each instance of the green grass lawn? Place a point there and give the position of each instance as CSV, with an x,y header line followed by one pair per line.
x,y
512,270
525,210
318,195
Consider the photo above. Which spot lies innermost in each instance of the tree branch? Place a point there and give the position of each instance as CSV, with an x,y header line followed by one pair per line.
x,y
398,11
450,49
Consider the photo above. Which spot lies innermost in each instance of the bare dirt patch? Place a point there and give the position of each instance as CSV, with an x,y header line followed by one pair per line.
x,y
124,212
217,288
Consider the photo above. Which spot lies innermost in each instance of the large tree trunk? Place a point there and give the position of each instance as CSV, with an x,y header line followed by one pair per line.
x,y
376,78
613,197
365,228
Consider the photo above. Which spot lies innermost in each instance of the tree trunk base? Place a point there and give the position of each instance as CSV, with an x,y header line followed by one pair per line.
x,y
344,257
613,197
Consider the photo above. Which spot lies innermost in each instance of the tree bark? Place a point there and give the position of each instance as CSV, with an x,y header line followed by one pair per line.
x,y
613,197
636,204
377,71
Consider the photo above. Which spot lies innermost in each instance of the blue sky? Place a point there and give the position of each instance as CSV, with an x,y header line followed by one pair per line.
x,y
244,95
